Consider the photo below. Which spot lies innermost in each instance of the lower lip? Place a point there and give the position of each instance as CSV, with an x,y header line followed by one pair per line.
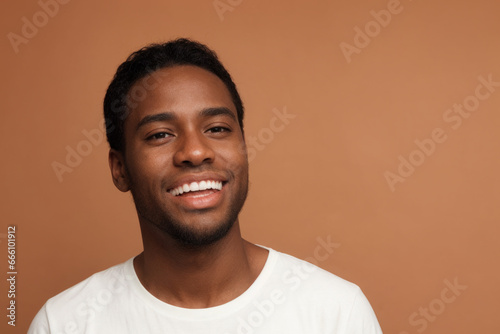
x,y
199,200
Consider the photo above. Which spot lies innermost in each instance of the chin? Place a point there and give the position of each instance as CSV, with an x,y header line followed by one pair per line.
x,y
196,238
189,235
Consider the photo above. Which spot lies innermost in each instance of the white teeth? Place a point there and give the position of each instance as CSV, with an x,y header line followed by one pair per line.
x,y
197,186
194,186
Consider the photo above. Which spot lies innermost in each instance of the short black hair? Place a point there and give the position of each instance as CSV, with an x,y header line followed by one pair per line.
x,y
146,61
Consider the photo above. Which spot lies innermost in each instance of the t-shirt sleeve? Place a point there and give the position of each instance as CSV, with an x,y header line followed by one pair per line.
x,y
362,319
40,324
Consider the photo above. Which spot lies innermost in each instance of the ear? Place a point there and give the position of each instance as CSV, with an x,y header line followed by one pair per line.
x,y
118,170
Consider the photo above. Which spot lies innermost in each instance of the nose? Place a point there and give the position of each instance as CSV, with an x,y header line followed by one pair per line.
x,y
193,150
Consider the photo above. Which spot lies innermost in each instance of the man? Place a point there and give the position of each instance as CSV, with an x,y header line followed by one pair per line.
x,y
174,123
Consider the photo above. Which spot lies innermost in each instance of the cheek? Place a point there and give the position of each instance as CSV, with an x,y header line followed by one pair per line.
x,y
237,159
158,161
147,166
237,149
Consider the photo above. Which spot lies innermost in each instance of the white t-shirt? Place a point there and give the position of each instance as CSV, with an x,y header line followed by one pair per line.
x,y
289,296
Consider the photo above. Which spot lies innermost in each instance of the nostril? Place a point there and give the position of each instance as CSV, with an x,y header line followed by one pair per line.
x,y
193,150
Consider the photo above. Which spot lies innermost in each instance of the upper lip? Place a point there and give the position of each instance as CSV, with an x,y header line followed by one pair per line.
x,y
188,179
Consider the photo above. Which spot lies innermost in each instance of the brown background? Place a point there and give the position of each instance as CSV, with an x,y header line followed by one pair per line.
x,y
321,176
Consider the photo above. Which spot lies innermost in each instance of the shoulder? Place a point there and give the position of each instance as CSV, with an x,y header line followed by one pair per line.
x,y
327,298
101,284
85,299
299,272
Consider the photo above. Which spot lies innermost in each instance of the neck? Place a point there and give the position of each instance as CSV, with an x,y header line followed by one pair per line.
x,y
197,277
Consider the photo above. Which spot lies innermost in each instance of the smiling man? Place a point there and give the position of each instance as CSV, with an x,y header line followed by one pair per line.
x,y
174,122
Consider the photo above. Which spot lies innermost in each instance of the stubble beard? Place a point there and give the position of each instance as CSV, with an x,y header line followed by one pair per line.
x,y
185,234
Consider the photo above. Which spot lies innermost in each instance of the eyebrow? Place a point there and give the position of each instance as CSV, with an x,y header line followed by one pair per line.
x,y
170,116
161,117
208,112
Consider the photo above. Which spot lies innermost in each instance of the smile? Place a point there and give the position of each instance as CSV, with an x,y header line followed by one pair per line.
x,y
196,186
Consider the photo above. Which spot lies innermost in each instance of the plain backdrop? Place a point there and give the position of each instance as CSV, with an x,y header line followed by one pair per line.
x,y
378,158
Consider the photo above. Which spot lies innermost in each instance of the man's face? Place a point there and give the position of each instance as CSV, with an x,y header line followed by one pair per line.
x,y
185,160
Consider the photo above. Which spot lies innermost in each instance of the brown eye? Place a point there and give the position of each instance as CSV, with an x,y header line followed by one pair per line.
x,y
217,129
159,135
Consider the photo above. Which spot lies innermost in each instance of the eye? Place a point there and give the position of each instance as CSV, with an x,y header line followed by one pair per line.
x,y
159,135
217,129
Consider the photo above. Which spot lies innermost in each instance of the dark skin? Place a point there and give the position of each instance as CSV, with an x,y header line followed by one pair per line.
x,y
186,130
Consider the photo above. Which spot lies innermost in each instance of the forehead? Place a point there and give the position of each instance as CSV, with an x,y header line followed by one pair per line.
x,y
184,90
